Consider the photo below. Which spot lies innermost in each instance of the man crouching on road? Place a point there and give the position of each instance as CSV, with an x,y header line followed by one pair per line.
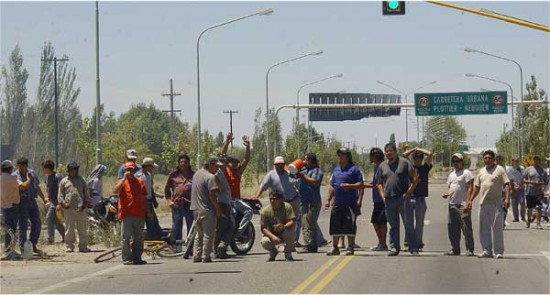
x,y
277,223
132,204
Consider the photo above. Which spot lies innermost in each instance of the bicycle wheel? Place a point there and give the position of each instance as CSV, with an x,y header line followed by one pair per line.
x,y
108,255
169,251
7,241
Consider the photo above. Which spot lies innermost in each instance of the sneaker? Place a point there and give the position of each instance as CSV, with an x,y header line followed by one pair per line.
x,y
470,253
197,260
207,260
325,243
393,253
140,262
297,244
128,262
528,223
51,241
272,256
499,256
379,247
288,257
355,246
85,250
36,250
415,253
350,251
485,255
69,250
515,220
334,252
311,249
222,253
452,253
539,226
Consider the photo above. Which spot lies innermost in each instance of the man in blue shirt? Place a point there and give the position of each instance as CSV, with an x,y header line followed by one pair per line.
x,y
52,185
396,182
310,195
28,208
345,181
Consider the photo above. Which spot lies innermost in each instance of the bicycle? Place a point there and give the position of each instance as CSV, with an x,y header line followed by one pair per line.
x,y
7,239
152,248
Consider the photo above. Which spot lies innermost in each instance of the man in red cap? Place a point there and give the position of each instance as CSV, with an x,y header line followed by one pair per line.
x,y
132,204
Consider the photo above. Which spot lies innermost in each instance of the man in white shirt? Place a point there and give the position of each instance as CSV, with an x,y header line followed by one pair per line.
x,y
460,183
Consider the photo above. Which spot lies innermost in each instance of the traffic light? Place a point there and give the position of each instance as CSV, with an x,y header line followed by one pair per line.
x,y
393,7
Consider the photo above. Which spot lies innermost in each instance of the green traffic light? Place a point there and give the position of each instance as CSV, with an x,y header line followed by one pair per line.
x,y
393,4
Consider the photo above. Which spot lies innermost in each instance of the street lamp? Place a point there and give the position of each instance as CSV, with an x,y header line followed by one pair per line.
x,y
512,99
267,98
267,11
406,110
520,120
298,106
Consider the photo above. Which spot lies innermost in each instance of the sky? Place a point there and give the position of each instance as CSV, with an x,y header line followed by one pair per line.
x,y
144,44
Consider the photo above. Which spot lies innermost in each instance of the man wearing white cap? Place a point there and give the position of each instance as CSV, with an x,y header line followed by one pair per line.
x,y
460,183
154,231
277,180
131,156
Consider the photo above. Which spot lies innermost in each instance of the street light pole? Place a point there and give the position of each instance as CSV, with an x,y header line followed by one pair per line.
x,y
520,119
267,100
406,110
97,90
261,12
298,109
512,104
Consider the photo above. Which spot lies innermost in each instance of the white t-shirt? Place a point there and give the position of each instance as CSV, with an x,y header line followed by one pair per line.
x,y
491,183
458,186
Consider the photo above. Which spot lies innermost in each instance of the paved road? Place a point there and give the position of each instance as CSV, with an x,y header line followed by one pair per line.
x,y
525,268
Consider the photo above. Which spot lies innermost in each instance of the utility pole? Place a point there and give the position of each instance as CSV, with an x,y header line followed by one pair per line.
x,y
172,111
56,105
97,90
231,112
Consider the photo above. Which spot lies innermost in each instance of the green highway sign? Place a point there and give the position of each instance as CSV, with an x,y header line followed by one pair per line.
x,y
461,103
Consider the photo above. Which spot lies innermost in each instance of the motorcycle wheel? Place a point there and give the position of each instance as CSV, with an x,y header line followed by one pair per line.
x,y
243,243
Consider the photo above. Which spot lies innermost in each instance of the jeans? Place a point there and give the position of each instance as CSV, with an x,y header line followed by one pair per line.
x,y
491,223
310,214
518,198
28,210
394,208
297,212
460,221
414,213
154,231
178,214
54,224
245,210
224,228
132,230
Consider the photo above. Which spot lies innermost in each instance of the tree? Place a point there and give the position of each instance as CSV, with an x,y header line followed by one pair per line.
x,y
444,137
392,138
14,100
536,125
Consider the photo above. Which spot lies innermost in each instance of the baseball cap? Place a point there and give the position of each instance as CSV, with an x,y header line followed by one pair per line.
x,y
279,160
129,164
131,154
276,195
458,155
7,164
72,165
215,160
343,150
149,162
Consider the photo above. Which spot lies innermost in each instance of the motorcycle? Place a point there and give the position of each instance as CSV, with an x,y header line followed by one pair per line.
x,y
103,219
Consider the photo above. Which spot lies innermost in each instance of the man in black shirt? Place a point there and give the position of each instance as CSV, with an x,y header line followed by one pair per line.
x,y
415,207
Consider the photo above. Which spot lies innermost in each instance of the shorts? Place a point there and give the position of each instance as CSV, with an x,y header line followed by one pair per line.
x,y
343,221
379,214
534,201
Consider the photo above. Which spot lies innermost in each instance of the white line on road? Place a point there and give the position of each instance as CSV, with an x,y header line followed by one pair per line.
x,y
75,280
546,254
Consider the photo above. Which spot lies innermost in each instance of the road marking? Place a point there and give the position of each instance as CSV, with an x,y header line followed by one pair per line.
x,y
546,254
507,223
76,280
314,276
330,276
